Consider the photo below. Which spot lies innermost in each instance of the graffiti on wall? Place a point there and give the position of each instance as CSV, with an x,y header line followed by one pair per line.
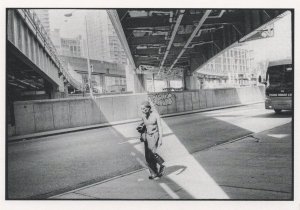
x,y
162,99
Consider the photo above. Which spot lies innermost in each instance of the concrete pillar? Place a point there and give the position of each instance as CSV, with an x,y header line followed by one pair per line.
x,y
135,82
49,89
53,91
168,83
66,92
190,82
153,82
202,83
102,83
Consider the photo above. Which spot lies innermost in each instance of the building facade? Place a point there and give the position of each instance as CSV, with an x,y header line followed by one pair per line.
x,y
103,41
72,47
68,46
233,68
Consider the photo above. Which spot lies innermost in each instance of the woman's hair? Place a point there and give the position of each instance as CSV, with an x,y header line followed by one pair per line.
x,y
146,104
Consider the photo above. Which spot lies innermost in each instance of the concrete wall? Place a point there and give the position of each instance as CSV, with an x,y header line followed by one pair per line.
x,y
46,115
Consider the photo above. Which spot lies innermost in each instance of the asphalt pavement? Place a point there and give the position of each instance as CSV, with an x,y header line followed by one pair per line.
x,y
256,167
221,154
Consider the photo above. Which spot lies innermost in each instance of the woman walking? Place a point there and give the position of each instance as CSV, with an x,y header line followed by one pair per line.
x,y
153,140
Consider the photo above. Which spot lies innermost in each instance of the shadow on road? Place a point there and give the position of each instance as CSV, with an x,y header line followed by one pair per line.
x,y
86,157
175,168
283,114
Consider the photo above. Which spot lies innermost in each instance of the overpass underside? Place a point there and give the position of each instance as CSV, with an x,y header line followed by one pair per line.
x,y
24,80
33,68
173,43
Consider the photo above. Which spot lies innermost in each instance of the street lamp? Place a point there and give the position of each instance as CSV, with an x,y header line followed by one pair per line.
x,y
88,54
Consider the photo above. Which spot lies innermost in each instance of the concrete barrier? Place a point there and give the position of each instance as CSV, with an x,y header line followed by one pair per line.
x,y
61,115
52,114
179,102
188,104
195,100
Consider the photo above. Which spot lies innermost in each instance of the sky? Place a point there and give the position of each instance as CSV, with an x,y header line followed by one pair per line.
x,y
277,47
70,27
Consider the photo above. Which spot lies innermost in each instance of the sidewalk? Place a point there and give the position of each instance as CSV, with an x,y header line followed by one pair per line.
x,y
258,167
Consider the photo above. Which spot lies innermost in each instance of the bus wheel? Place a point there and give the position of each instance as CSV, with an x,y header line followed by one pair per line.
x,y
277,111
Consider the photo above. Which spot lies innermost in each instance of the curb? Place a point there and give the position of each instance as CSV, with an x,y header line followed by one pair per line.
x,y
77,129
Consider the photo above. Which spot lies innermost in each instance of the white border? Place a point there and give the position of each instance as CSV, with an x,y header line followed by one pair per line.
x,y
91,205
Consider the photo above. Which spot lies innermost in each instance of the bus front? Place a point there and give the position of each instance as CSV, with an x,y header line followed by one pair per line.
x,y
279,90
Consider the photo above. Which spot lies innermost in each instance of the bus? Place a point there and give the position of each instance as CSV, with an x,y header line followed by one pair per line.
x,y
279,85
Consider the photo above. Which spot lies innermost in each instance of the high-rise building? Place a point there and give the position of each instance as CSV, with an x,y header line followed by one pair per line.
x,y
73,47
43,15
103,41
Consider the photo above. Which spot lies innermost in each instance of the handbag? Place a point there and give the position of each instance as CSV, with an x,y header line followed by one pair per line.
x,y
141,128
158,158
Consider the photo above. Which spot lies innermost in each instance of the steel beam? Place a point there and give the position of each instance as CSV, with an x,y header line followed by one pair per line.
x,y
203,18
163,21
115,20
160,39
175,29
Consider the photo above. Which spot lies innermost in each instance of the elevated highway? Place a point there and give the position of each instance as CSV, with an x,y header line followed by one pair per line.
x,y
33,65
172,43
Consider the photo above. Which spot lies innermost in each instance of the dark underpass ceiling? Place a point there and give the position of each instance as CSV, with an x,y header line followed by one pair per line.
x,y
170,41
20,75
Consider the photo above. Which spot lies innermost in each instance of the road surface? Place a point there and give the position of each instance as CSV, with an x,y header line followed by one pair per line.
x,y
43,167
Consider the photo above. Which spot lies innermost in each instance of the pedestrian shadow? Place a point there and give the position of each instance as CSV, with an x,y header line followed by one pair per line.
x,y
176,168
172,188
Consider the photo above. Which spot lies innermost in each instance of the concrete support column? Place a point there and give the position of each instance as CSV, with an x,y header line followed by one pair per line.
x,y
50,90
135,82
168,83
153,82
190,82
66,92
202,83
102,83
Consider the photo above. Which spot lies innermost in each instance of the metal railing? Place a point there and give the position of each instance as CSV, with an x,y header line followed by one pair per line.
x,y
45,40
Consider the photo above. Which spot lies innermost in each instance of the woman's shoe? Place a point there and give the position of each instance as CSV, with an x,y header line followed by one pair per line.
x,y
152,176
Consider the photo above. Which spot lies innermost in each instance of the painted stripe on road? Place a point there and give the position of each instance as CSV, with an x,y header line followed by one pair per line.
x,y
169,191
131,141
98,183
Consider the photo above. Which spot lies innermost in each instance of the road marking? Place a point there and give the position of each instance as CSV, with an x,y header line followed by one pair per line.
x,y
97,183
169,191
132,153
279,136
131,141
